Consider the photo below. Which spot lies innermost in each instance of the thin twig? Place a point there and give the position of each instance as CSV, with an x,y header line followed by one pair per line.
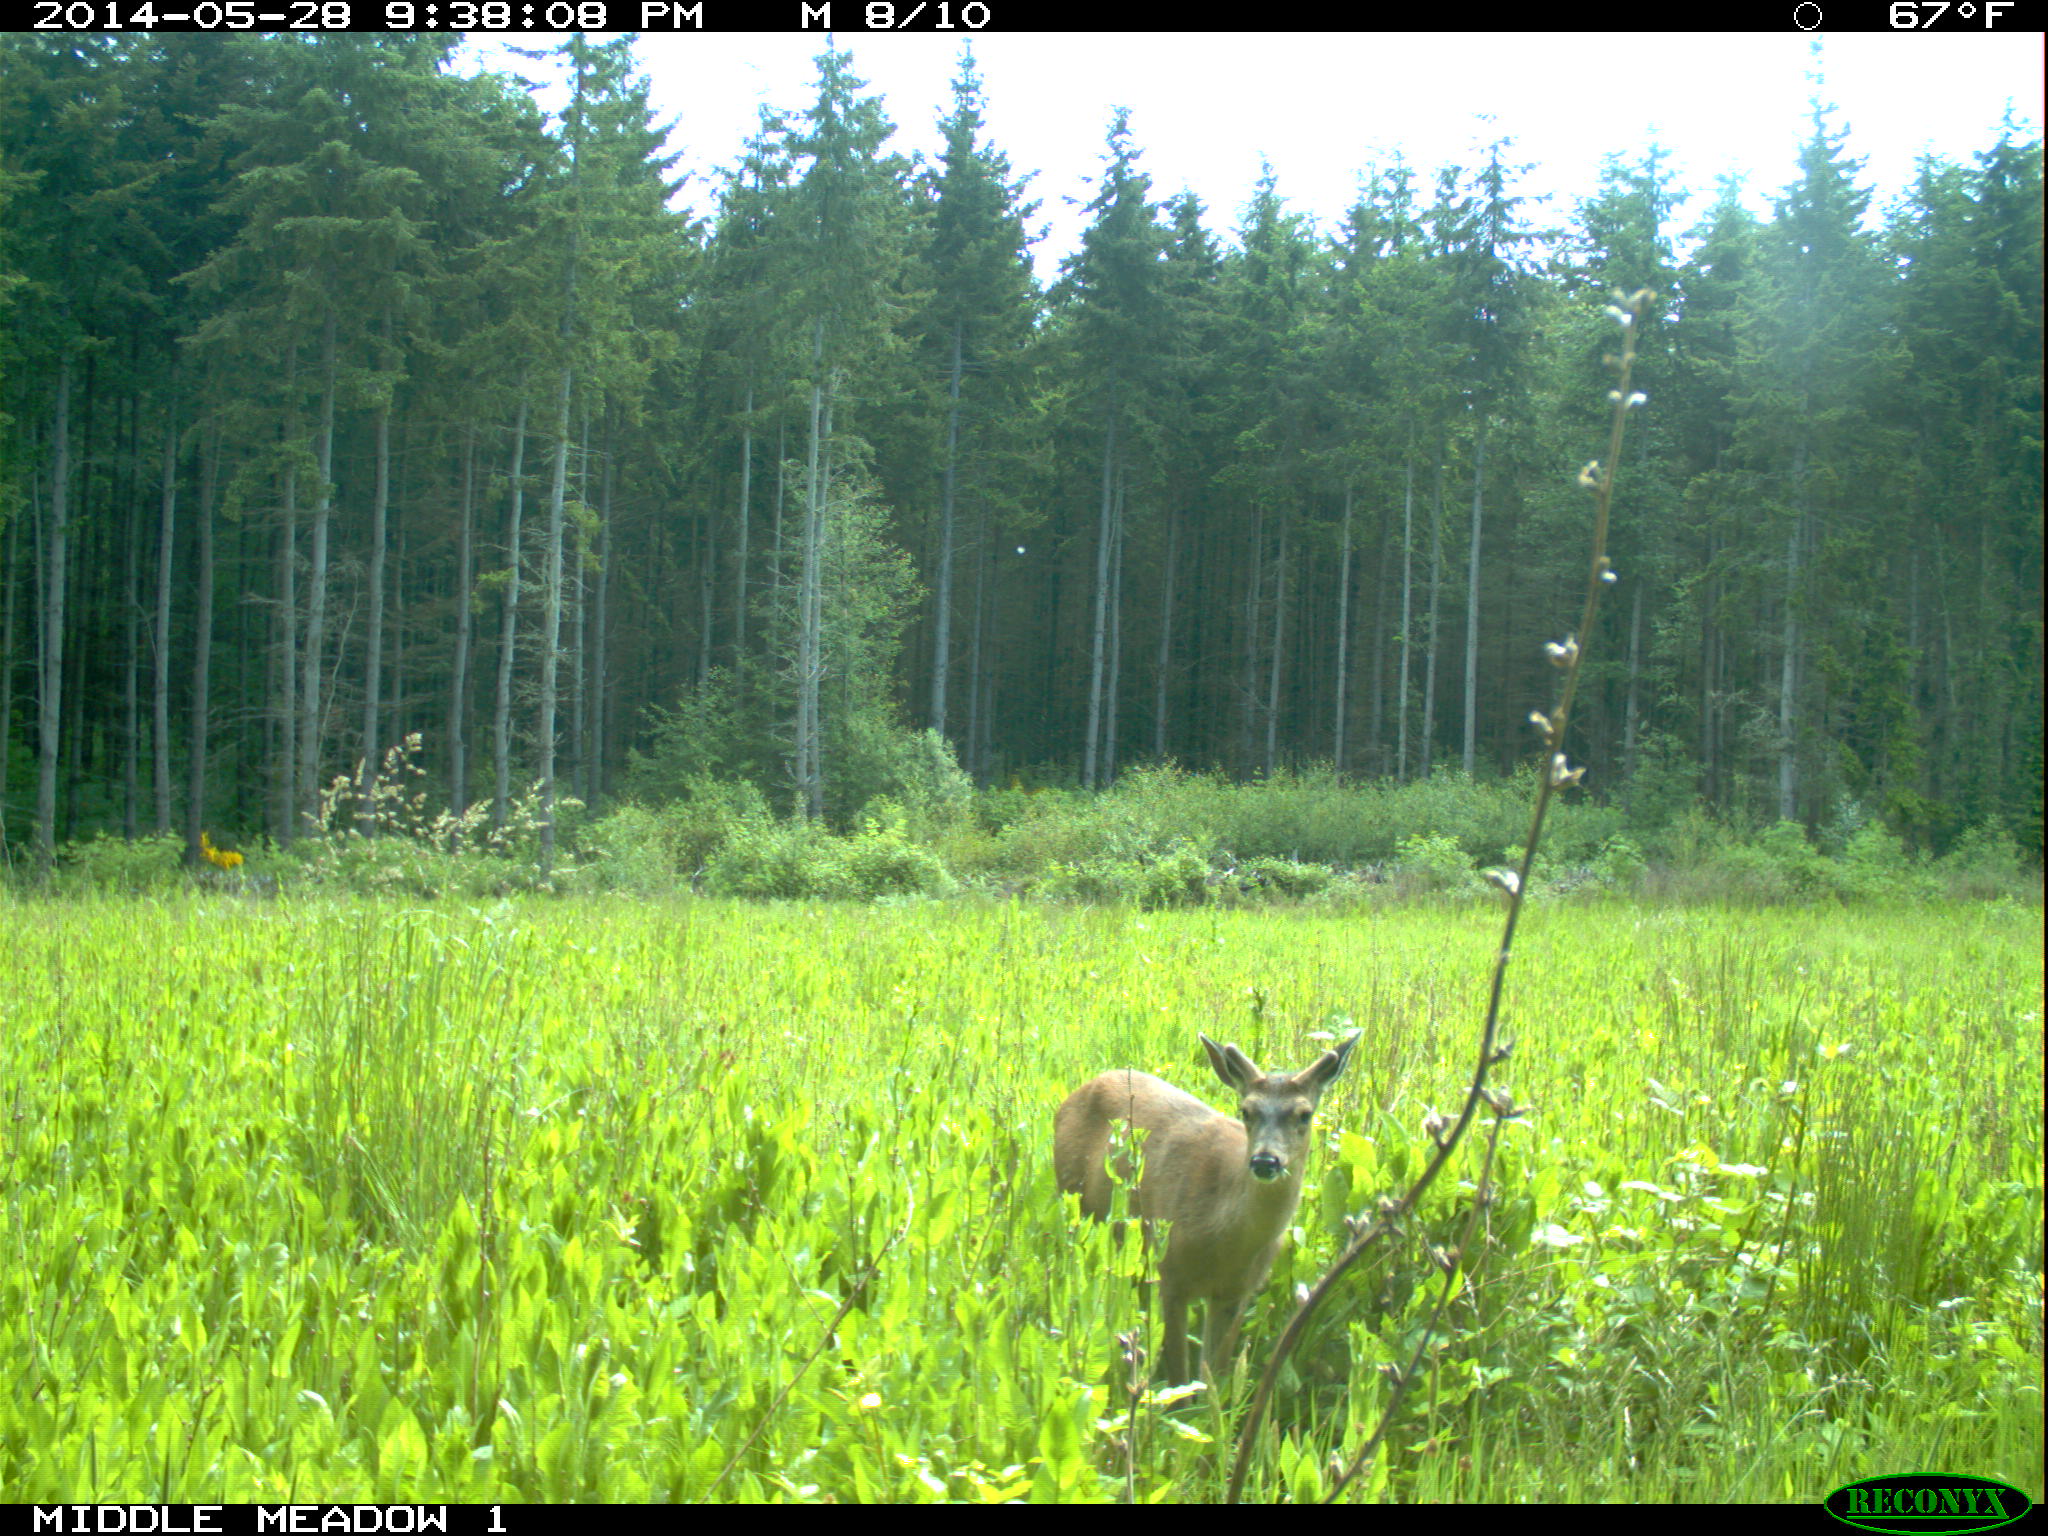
x,y
1566,655
1453,1266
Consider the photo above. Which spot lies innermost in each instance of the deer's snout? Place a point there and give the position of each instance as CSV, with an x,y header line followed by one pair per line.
x,y
1267,1166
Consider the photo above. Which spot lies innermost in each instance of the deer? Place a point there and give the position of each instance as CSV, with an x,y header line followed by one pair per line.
x,y
1227,1188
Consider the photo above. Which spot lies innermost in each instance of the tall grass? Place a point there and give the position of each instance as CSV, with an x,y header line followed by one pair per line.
x,y
689,1199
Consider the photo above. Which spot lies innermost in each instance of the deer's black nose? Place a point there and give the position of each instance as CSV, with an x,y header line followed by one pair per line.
x,y
1266,1167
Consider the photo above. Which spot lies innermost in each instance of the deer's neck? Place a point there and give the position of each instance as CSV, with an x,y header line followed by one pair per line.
x,y
1275,1199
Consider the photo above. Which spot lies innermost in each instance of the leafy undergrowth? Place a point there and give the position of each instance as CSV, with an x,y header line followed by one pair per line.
x,y
691,1199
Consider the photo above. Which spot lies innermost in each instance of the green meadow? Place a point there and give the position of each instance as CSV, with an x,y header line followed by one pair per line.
x,y
687,1199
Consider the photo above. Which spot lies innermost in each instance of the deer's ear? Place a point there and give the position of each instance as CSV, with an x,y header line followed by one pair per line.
x,y
1331,1064
1232,1065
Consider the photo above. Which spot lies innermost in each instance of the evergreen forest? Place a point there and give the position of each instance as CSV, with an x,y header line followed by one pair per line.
x,y
366,429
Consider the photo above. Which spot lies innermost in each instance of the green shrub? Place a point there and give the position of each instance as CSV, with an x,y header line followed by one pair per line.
x,y
1312,814
399,866
634,849
1310,817
1176,879
1482,819
968,850
793,859
868,759
881,860
1875,864
1689,840
108,862
1432,864
418,851
1620,864
1060,830
702,738
709,814
774,858
1845,821
1104,879
1778,865
1665,784
385,866
1266,879
648,849
936,795
1984,864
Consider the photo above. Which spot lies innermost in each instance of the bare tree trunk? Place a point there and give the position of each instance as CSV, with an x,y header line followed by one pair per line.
x,y
707,591
739,612
254,624
1116,641
50,690
599,753
1099,628
1708,604
508,630
1635,676
131,642
1343,638
579,688
284,701
1273,673
1436,571
775,565
942,598
977,719
465,582
815,610
78,633
160,638
1248,683
1788,754
373,650
1407,610
1376,732
1709,744
579,615
1165,668
83,563
202,649
9,585
311,723
551,624
1472,599
809,786
1788,686
1950,706
394,703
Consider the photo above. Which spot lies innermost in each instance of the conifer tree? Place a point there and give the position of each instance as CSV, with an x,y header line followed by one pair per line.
x,y
975,325
847,249
1111,293
1820,349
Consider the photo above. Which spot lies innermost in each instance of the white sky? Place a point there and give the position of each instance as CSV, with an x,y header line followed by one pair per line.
x,y
1322,107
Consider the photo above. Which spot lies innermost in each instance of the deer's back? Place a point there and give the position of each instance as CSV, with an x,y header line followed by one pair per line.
x,y
1194,1157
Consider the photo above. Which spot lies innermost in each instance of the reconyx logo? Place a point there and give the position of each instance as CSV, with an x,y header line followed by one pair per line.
x,y
1927,1502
